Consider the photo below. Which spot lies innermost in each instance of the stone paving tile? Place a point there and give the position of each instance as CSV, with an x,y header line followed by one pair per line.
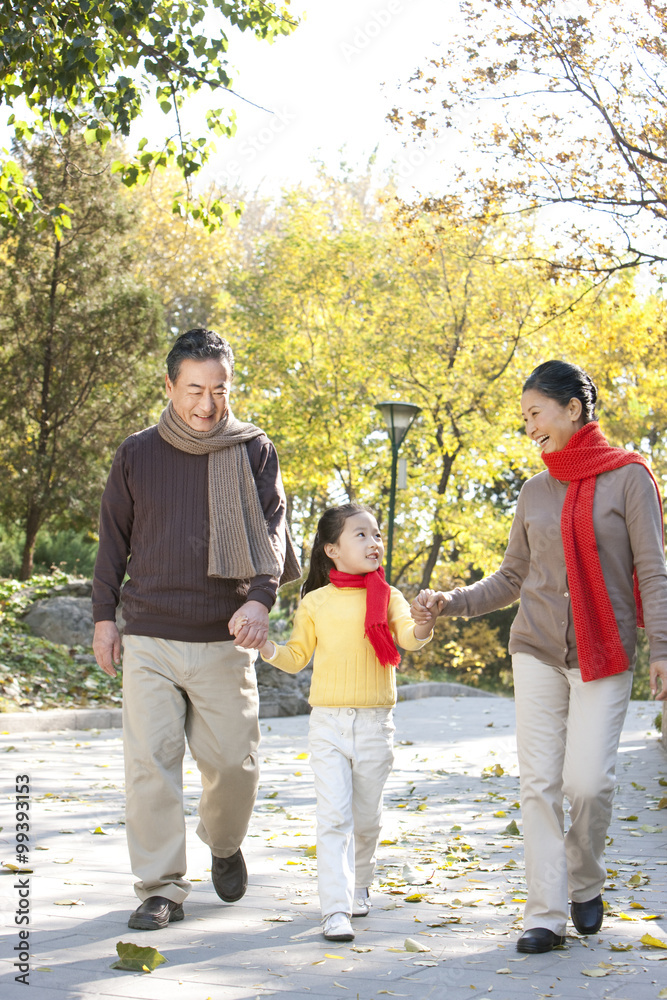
x,y
450,875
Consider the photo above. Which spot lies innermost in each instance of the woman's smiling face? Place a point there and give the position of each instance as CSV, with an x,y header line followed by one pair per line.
x,y
549,424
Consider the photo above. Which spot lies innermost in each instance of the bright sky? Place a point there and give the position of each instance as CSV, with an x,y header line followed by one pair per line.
x,y
324,86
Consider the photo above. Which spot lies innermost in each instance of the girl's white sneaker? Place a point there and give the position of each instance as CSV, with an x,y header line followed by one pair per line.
x,y
361,903
337,927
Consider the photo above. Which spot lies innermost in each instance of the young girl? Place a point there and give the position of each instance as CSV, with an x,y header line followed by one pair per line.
x,y
347,617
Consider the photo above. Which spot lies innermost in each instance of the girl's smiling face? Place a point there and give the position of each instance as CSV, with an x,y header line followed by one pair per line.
x,y
549,424
360,548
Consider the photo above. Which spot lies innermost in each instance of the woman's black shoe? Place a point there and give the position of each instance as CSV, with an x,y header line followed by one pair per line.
x,y
538,939
587,917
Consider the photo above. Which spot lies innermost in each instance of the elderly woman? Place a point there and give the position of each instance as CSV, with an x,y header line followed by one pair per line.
x,y
585,556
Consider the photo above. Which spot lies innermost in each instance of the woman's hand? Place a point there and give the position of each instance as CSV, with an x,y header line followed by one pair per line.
x,y
659,669
427,605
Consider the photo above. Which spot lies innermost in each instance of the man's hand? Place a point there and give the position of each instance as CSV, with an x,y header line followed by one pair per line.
x,y
106,647
659,669
250,625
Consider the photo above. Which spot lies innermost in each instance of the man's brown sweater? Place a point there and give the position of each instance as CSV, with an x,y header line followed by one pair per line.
x,y
154,524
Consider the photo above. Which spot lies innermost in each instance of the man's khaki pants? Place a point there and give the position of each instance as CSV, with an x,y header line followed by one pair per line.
x,y
207,692
567,733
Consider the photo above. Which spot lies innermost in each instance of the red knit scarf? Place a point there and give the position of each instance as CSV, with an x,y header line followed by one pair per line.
x,y
584,457
376,626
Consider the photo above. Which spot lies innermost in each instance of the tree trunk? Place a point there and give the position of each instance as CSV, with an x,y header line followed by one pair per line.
x,y
31,529
429,566
438,538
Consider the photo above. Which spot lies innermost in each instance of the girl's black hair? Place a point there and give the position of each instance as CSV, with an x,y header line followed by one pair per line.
x,y
562,381
329,530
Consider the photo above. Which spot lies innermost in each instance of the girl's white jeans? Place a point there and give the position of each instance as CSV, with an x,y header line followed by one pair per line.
x,y
351,754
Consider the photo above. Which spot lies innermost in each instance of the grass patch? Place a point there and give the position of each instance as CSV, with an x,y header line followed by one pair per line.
x,y
36,673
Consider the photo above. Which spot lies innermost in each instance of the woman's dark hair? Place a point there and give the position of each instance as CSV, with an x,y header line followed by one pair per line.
x,y
329,529
199,344
562,381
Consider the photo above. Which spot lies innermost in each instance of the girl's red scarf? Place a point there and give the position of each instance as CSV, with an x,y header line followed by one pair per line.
x,y
584,457
376,626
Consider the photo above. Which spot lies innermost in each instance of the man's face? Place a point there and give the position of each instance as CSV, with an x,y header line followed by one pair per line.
x,y
200,394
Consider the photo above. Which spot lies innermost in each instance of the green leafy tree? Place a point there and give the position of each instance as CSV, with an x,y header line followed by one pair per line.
x,y
91,65
77,335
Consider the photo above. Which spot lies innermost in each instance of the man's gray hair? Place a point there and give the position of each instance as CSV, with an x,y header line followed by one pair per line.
x,y
198,344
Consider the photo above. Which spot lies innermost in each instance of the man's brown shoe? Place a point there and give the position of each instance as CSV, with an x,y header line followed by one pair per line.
x,y
229,876
155,913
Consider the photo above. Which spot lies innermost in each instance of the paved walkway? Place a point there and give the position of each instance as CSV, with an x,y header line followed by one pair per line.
x,y
450,876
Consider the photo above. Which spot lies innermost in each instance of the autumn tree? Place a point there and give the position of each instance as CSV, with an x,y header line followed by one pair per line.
x,y
92,66
558,107
333,301
77,335
295,306
340,308
183,263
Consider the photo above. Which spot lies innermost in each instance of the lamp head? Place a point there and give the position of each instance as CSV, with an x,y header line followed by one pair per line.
x,y
398,417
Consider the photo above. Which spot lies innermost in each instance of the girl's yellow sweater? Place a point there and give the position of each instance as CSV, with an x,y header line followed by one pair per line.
x,y
330,623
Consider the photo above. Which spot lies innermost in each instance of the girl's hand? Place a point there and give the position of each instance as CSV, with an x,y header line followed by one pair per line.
x,y
427,605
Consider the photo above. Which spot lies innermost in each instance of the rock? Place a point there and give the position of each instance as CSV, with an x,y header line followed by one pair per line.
x,y
281,693
75,588
66,620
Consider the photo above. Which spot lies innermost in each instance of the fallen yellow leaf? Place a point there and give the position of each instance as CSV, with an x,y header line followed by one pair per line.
x,y
411,945
652,941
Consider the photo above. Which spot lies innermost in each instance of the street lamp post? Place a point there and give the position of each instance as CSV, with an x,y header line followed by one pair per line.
x,y
399,418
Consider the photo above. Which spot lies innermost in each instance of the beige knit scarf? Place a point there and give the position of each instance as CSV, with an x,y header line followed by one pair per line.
x,y
239,543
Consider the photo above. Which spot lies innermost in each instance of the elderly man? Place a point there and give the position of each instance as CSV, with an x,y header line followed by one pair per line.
x,y
194,512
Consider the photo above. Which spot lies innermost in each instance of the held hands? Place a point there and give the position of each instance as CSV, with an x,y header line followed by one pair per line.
x,y
659,669
427,605
250,625
425,609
